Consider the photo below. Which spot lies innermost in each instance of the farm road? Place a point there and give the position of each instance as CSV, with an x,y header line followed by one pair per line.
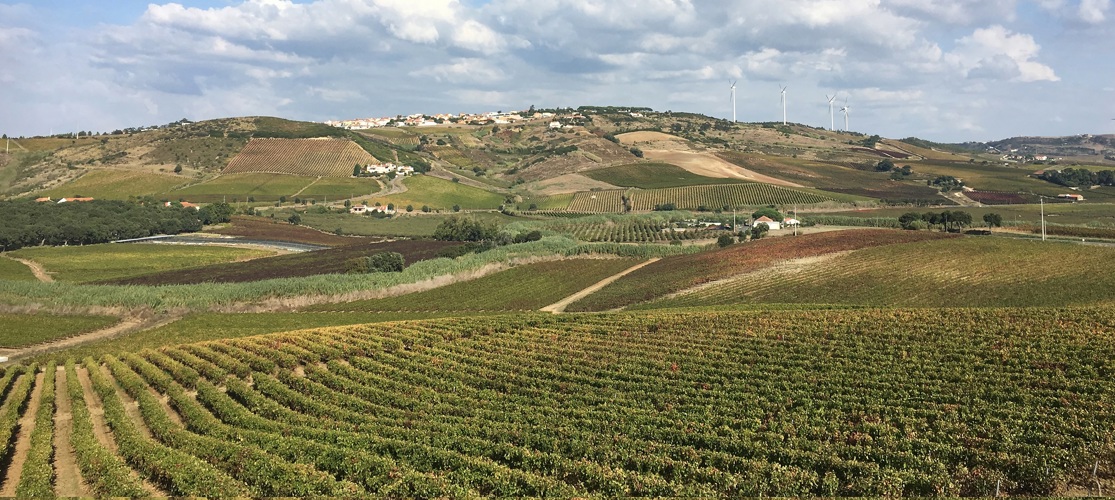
x,y
36,269
559,307
129,324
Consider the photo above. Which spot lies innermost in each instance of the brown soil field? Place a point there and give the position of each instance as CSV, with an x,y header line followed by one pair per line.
x,y
329,261
648,136
709,165
260,228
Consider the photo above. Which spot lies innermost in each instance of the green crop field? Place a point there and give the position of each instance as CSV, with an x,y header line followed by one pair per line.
x,y
332,188
440,194
674,274
21,330
653,176
116,185
965,272
523,288
695,198
241,187
1055,212
541,202
416,225
941,402
199,327
114,261
15,271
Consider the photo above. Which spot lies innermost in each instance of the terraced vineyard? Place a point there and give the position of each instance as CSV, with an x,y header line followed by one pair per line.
x,y
694,198
986,272
309,157
863,403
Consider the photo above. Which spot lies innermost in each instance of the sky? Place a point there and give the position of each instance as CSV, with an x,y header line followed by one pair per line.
x,y
944,70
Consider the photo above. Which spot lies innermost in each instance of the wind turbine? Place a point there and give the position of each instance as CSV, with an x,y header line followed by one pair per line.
x,y
783,92
832,120
845,110
733,82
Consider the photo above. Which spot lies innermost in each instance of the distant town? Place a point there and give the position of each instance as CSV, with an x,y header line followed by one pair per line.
x,y
489,118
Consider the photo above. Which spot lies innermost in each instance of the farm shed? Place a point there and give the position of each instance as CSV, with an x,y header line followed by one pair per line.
x,y
771,223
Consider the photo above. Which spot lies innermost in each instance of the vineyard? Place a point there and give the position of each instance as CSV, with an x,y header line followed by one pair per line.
x,y
935,278
630,231
1000,198
308,157
858,403
712,197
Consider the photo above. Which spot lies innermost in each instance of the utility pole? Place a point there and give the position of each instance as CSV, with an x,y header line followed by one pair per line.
x,y
1041,199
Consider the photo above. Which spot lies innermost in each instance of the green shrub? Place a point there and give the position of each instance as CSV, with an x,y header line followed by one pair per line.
x,y
383,262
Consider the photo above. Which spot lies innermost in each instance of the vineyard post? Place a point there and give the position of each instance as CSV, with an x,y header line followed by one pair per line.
x,y
998,482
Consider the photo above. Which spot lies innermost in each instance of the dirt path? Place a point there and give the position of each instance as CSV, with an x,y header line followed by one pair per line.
x,y
129,324
36,269
559,307
23,440
67,474
307,186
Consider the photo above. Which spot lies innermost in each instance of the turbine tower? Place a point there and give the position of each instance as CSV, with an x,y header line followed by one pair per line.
x,y
832,119
845,110
783,92
733,82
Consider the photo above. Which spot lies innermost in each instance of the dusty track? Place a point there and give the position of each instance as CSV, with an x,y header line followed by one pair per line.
x,y
67,474
36,269
559,306
23,440
129,324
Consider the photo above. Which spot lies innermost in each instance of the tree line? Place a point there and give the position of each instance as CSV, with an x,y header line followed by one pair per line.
x,y
28,223
1079,177
955,220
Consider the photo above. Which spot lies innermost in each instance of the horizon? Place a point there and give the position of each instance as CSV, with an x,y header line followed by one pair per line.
x,y
954,71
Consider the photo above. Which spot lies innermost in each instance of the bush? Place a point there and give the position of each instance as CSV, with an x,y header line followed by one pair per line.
x,y
458,228
383,262
725,240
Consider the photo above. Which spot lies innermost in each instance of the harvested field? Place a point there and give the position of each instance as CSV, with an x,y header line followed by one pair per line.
x,y
1000,198
648,136
261,228
709,165
569,183
331,261
313,157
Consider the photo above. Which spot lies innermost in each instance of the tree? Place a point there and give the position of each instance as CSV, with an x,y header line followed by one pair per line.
x,y
348,203
294,219
725,240
768,212
759,230
383,262
637,152
458,228
282,199
215,213
426,208
910,220
410,208
178,168
356,171
992,220
884,166
456,208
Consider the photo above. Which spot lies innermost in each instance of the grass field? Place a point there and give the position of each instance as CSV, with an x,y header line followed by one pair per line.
x,y
21,330
653,176
674,274
440,194
874,403
964,272
694,198
241,187
417,225
200,327
333,188
15,271
114,261
1055,212
541,202
116,185
525,288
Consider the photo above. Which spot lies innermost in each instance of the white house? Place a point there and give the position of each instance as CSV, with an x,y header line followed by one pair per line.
x,y
555,125
790,221
358,209
771,223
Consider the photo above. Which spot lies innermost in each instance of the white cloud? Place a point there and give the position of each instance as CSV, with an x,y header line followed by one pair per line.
x,y
1094,11
998,53
463,70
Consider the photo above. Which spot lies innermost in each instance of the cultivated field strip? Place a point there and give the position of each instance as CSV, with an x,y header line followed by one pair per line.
x,y
857,402
936,277
306,157
712,197
627,231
